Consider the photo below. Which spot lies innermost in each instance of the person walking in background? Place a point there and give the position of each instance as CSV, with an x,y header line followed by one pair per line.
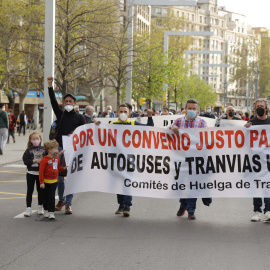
x,y
23,123
246,117
89,114
32,158
12,125
209,113
110,112
4,125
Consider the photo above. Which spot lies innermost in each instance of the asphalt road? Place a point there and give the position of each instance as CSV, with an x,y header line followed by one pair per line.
x,y
153,237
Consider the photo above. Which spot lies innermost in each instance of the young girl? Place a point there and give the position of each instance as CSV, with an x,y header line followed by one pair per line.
x,y
48,172
31,158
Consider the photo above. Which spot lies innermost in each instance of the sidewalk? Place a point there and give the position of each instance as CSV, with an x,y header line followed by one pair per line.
x,y
13,152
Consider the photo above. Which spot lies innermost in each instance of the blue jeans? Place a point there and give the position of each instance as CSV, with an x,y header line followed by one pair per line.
x,y
124,200
190,204
61,185
257,203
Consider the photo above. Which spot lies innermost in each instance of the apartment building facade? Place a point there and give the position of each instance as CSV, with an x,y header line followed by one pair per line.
x,y
231,33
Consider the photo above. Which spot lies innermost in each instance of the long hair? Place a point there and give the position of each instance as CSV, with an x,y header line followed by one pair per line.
x,y
29,144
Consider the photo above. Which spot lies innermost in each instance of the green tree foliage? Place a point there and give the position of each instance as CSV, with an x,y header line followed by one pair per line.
x,y
81,29
243,61
264,66
21,29
151,70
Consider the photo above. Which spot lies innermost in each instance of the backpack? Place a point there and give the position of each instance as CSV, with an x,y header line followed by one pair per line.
x,y
55,128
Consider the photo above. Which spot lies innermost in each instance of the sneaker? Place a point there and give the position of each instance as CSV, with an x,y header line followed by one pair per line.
x,y
59,205
28,212
256,216
267,217
40,210
191,216
120,209
51,215
181,211
126,211
46,214
68,210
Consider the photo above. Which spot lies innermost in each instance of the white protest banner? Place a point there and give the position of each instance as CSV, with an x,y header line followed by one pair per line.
x,y
154,162
161,121
232,123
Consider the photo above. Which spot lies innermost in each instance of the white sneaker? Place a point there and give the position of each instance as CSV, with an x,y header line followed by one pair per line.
x,y
28,212
46,214
51,215
267,217
256,216
40,210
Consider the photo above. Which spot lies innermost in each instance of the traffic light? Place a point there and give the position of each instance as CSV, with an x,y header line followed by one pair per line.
x,y
142,101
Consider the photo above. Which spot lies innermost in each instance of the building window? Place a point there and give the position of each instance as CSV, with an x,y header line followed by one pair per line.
x,y
122,5
122,20
193,17
200,19
165,11
158,10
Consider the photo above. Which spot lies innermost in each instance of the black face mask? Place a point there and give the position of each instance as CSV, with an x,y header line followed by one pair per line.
x,y
231,114
260,111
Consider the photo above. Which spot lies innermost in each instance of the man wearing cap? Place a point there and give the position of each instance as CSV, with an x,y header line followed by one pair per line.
x,y
68,120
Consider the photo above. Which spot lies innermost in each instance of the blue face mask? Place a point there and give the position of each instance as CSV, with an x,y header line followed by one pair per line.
x,y
208,110
191,114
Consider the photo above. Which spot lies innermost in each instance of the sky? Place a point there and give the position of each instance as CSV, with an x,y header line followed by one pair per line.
x,y
257,12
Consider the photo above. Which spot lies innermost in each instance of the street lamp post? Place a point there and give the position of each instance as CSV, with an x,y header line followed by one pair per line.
x,y
257,80
130,33
48,64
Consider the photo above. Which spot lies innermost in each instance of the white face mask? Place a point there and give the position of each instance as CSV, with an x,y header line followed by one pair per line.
x,y
123,116
69,108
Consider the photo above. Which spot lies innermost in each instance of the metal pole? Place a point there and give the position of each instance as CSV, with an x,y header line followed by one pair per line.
x,y
257,80
49,64
129,52
225,84
248,99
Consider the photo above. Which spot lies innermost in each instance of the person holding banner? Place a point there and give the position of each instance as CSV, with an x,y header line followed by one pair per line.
x,y
125,201
260,106
230,114
68,121
190,120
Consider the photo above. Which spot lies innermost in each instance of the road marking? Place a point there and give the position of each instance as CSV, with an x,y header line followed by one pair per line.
x,y
15,194
22,214
15,166
13,181
18,194
12,172
12,198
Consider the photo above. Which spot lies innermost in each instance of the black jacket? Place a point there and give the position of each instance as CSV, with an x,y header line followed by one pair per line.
x,y
30,154
68,123
88,120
